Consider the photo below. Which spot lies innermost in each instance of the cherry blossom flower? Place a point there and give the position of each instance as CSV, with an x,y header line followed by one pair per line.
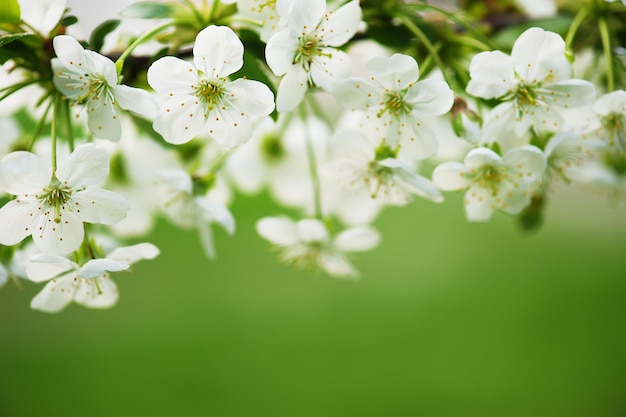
x,y
52,208
493,182
395,103
200,99
91,79
264,12
610,121
305,51
376,170
89,285
307,244
534,84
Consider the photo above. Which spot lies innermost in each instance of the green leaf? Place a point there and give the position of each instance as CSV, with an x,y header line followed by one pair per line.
x,y
9,11
6,39
68,20
99,33
148,10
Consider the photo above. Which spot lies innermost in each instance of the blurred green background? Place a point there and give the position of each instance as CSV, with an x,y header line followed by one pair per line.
x,y
449,319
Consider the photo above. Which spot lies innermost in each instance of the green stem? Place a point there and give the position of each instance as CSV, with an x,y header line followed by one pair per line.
x,y
68,124
317,197
578,20
53,133
119,64
39,125
608,57
431,48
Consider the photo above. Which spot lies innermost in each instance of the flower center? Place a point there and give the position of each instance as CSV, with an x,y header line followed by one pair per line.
x,y
56,196
394,103
614,126
97,87
210,92
525,95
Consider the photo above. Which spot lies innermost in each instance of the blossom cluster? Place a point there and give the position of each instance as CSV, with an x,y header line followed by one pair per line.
x,y
334,114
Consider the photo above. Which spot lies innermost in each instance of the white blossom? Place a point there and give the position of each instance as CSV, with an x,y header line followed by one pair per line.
x,y
52,208
493,182
89,284
308,244
395,103
305,51
200,99
91,79
534,85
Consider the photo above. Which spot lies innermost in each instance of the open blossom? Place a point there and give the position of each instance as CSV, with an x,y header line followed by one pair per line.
x,y
91,79
305,51
200,99
264,12
493,182
89,285
395,103
307,243
52,208
376,170
610,120
534,85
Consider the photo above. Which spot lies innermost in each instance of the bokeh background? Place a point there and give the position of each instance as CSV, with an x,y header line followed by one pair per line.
x,y
449,319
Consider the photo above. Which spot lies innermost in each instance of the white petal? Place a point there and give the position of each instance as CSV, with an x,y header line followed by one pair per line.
x,y
395,73
514,199
277,230
43,267
100,66
229,127
450,176
416,137
134,253
218,52
216,212
357,239
539,55
528,160
353,145
135,100
311,231
180,119
479,157
354,93
291,90
329,68
58,238
492,75
433,97
17,220
280,51
87,165
103,117
417,184
614,102
301,15
96,267
341,25
479,204
69,52
104,295
171,75
24,173
337,265
571,93
55,296
95,205
253,98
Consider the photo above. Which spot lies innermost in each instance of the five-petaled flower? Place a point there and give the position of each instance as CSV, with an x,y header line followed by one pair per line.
x,y
53,206
91,79
200,100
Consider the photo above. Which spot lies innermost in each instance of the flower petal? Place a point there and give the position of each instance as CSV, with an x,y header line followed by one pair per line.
x,y
450,176
24,173
218,52
311,231
539,56
329,68
340,26
253,98
55,296
134,253
181,119
95,205
301,15
103,117
170,75
433,97
280,52
277,230
479,157
229,127
17,220
87,165
492,75
395,73
44,267
96,267
58,238
357,239
103,295
528,160
479,204
217,213
135,100
417,184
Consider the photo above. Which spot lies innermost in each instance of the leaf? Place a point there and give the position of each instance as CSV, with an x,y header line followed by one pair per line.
x,y
9,11
96,40
5,39
148,10
68,21
16,50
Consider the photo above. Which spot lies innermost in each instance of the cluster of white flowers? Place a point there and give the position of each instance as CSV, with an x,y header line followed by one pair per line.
x,y
294,110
